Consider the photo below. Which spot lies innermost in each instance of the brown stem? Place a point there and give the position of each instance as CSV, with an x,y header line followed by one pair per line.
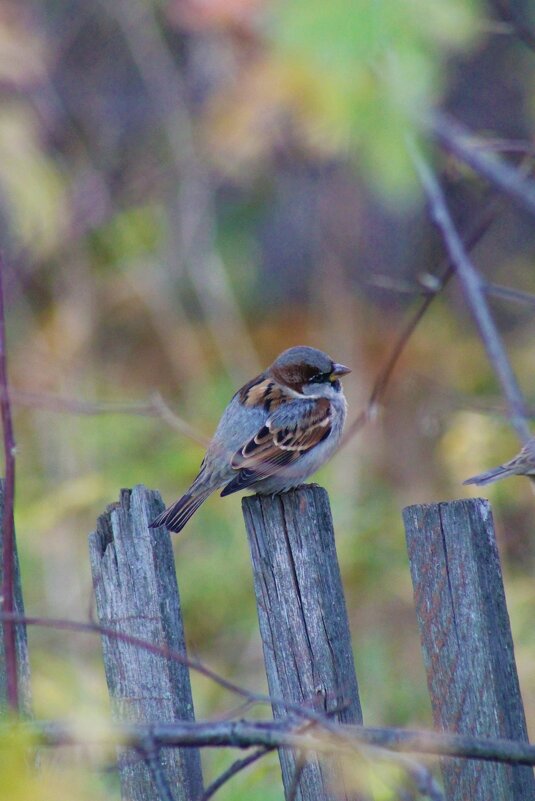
x,y
8,528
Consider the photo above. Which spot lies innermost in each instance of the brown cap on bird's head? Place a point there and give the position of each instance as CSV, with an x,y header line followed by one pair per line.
x,y
304,365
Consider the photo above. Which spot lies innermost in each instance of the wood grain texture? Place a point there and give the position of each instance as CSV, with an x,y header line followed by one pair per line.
x,y
303,620
466,641
21,639
137,593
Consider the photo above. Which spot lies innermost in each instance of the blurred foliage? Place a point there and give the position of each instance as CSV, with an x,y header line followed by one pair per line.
x,y
186,188
349,78
21,780
31,182
368,70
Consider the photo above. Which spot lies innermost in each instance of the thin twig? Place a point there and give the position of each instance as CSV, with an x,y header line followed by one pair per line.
x,y
164,652
507,293
508,13
474,289
8,527
456,139
236,767
300,763
156,406
238,710
412,288
151,756
385,373
506,146
178,423
458,400
425,782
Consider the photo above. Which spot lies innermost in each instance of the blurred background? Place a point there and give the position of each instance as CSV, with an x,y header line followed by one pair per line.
x,y
187,187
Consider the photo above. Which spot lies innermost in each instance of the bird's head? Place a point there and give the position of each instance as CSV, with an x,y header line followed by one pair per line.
x,y
308,371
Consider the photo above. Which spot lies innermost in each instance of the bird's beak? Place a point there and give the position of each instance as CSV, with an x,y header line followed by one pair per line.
x,y
340,369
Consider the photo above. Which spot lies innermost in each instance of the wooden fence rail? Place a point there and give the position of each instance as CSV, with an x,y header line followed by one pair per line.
x,y
467,642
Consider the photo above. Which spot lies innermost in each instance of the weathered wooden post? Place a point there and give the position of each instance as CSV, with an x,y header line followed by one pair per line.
x,y
303,622
21,639
137,594
466,642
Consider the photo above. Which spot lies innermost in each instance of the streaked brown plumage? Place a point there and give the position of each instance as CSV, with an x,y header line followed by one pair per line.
x,y
277,430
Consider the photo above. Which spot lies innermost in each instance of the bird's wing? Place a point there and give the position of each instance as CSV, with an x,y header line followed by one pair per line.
x,y
291,431
264,393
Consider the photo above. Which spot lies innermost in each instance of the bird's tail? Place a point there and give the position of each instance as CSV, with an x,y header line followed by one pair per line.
x,y
491,475
175,517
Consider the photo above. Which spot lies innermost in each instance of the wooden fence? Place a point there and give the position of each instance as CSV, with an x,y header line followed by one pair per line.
x,y
460,607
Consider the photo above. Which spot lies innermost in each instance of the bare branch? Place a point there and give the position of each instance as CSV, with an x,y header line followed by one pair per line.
x,y
325,736
250,697
385,373
456,139
506,146
154,407
454,399
506,293
236,767
425,782
163,411
8,527
284,734
151,755
426,289
474,290
509,13
166,653
300,763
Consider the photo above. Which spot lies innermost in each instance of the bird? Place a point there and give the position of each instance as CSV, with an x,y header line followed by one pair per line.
x,y
523,464
277,430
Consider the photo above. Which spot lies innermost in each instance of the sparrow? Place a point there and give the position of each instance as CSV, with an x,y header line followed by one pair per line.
x,y
277,430
523,464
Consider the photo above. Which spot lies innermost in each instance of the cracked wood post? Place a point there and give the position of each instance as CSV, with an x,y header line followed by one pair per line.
x,y
21,639
303,622
466,641
136,593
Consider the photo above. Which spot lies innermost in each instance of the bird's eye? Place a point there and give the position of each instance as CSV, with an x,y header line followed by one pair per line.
x,y
319,378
